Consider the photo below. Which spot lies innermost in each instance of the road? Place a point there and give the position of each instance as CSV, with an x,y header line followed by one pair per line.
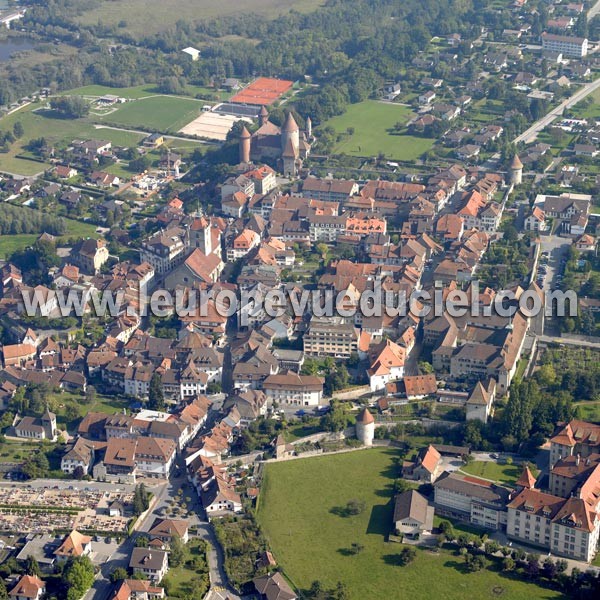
x,y
593,11
546,339
530,134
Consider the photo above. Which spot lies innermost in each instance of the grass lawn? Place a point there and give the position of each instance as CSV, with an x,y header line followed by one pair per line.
x,y
310,540
494,471
372,122
147,17
588,411
300,430
67,405
185,580
38,122
160,113
11,243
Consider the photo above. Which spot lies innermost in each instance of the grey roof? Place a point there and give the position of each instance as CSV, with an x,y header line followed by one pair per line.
x,y
411,504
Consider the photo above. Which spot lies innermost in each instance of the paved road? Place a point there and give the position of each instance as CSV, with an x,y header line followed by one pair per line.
x,y
547,339
530,134
593,11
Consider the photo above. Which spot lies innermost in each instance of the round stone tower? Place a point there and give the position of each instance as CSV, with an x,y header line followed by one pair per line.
x,y
516,170
290,131
245,140
365,427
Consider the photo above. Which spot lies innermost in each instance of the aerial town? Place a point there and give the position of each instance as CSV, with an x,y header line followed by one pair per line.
x,y
299,300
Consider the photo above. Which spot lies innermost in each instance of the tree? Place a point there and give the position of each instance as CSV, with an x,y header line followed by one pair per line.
x,y
77,577
177,551
32,567
355,507
18,130
140,499
3,590
118,574
406,556
90,394
156,399
508,564
356,548
78,473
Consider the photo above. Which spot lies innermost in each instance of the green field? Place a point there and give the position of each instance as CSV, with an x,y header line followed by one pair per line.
x,y
372,122
38,122
160,113
493,471
589,112
11,243
146,17
297,513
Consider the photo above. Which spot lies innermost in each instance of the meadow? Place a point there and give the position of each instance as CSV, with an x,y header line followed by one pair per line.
x,y
301,514
371,123
147,17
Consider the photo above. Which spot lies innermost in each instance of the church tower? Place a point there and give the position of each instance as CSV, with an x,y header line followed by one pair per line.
x,y
245,141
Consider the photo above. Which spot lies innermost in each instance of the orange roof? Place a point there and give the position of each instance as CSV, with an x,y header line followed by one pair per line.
x,y
431,459
73,545
527,480
365,417
28,587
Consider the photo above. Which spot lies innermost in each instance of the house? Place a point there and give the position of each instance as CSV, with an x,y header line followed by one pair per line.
x,y
29,587
329,190
585,243
292,389
154,140
65,172
149,562
427,97
413,515
154,457
387,364
17,354
137,589
198,267
79,454
536,221
420,386
166,529
243,244
192,53
90,255
75,544
426,466
103,179
587,150
274,587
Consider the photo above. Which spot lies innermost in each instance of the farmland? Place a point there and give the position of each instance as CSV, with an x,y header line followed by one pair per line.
x,y
367,129
299,514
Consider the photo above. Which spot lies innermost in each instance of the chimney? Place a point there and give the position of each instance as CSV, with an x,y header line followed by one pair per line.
x,y
578,459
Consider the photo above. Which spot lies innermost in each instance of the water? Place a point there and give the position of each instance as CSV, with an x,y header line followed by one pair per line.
x,y
10,45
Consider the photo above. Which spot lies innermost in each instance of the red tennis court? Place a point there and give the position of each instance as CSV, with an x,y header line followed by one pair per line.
x,y
263,91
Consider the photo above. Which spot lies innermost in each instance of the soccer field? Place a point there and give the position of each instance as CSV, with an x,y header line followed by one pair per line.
x,y
163,114
311,540
372,123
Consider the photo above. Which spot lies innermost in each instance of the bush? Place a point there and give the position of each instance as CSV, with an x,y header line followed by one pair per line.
x,y
406,556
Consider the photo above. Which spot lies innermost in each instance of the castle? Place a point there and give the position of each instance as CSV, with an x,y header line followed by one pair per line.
x,y
287,145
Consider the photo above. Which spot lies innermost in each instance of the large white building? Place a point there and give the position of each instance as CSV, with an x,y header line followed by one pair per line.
x,y
565,44
292,389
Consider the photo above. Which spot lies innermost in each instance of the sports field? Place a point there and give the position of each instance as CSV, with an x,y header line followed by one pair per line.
x,y
373,123
146,17
311,539
160,113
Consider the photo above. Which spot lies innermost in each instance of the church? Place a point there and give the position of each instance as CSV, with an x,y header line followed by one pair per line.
x,y
287,145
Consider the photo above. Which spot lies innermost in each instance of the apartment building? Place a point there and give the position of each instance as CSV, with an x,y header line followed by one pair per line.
x,y
165,250
329,190
331,337
566,45
292,389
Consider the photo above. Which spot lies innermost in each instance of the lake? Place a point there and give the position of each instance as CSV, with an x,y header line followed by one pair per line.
x,y
10,45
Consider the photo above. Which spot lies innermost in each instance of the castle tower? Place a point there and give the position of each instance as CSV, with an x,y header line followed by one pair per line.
x,y
263,116
365,427
516,170
308,128
290,132
245,141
